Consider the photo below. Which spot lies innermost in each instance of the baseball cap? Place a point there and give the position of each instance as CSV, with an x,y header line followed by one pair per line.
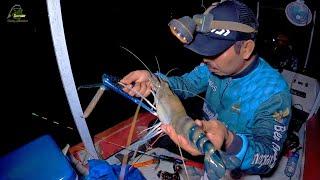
x,y
218,40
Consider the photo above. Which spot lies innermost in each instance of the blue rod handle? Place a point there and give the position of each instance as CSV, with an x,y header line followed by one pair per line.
x,y
111,82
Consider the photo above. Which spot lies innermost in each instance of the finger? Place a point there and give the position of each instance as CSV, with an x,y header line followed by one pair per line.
x,y
165,128
172,134
180,140
136,88
143,88
205,126
127,88
148,91
169,130
209,126
198,122
129,78
216,140
184,144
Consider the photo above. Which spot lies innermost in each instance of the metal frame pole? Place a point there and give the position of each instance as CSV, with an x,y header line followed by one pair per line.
x,y
62,57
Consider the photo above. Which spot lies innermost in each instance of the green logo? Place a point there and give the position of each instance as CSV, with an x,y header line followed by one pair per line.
x,y
16,14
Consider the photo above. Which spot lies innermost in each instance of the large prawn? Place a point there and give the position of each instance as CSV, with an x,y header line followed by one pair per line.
x,y
170,110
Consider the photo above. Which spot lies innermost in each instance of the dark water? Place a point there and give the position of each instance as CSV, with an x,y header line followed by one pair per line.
x,y
94,32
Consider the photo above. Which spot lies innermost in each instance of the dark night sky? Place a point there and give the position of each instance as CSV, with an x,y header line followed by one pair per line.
x,y
94,33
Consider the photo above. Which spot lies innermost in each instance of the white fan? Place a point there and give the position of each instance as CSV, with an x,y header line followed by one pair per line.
x,y
298,13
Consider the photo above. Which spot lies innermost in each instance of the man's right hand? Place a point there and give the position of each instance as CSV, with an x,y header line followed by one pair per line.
x,y
137,81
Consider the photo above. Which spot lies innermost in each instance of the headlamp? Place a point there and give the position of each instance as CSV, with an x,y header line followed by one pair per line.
x,y
184,28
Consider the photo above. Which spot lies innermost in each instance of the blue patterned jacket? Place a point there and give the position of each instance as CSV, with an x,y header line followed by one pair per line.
x,y
255,105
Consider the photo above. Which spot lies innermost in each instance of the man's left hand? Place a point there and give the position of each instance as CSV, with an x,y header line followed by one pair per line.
x,y
216,132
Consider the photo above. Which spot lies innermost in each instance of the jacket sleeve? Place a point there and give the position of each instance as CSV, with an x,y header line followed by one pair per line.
x,y
189,84
259,150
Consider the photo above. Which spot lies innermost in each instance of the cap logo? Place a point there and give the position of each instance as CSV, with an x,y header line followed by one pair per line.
x,y
222,32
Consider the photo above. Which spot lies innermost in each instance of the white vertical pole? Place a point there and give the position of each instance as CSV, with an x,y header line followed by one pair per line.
x,y
258,10
310,41
62,56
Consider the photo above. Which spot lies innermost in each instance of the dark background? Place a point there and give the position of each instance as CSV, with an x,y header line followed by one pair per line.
x,y
94,32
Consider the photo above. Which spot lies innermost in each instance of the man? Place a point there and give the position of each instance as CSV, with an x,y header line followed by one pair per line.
x,y
248,104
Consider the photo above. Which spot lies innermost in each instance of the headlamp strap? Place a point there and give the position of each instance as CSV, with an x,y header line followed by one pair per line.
x,y
202,21
205,23
234,26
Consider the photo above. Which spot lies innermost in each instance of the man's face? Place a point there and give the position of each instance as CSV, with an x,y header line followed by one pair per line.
x,y
227,64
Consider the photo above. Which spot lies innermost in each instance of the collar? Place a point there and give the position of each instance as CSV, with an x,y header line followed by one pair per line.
x,y
248,69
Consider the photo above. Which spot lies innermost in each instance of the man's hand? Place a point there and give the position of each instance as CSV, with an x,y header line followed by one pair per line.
x,y
137,81
215,131
180,140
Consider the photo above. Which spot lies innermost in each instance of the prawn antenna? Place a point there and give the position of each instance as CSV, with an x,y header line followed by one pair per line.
x,y
136,58
194,95
171,71
157,63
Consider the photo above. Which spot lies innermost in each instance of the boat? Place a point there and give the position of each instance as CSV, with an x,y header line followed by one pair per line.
x,y
30,161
